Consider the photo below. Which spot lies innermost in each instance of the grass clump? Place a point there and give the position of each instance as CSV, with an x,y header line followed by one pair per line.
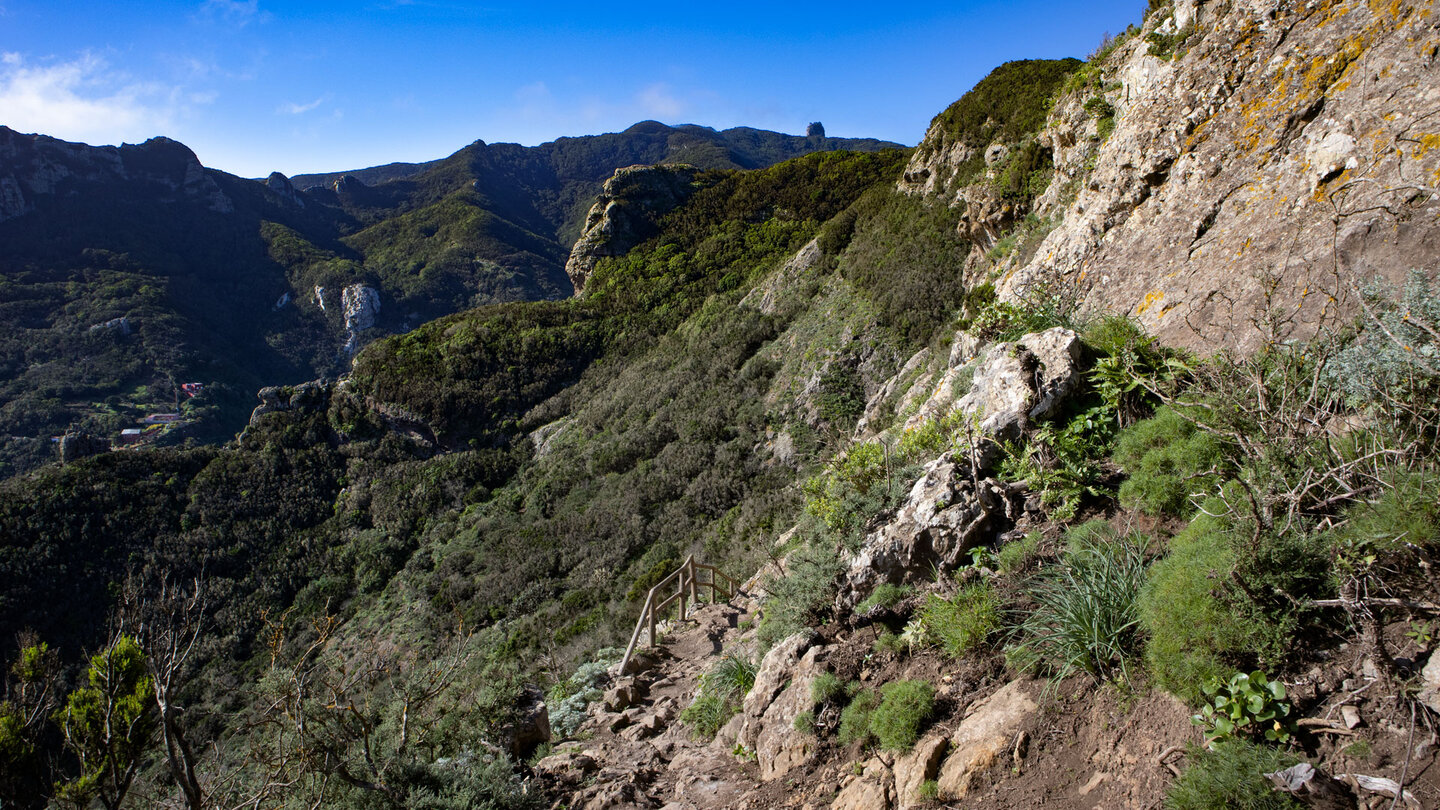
x,y
904,708
884,597
1015,556
722,691
1230,775
1167,458
855,719
963,622
1086,617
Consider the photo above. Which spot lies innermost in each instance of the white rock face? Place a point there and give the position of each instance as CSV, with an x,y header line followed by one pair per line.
x,y
1023,381
1328,152
919,766
361,304
1430,683
775,670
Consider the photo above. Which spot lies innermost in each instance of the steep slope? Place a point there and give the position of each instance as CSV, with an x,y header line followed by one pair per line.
x,y
1003,550
1222,159
131,271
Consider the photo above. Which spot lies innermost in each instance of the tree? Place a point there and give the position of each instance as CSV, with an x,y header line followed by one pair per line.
x,y
168,628
31,695
109,724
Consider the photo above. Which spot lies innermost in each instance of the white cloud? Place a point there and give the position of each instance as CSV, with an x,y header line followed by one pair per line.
x,y
239,13
84,100
291,108
658,101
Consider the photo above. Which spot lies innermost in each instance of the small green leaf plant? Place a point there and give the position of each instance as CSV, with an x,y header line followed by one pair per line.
x,y
1247,705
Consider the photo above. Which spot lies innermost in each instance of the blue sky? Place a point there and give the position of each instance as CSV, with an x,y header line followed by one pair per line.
x,y
260,85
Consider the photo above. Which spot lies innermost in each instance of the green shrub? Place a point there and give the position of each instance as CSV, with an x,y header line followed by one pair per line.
x,y
1246,705
1229,776
1394,358
803,597
885,596
1166,458
805,722
1016,555
904,708
1405,515
827,688
888,643
1193,629
963,622
855,719
1086,617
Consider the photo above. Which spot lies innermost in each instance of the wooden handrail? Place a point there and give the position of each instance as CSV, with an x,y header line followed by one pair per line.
x,y
687,588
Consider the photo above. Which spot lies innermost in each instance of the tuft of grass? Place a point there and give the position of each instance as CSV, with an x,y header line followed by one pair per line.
x,y
885,596
904,708
1229,775
722,692
1016,556
963,622
1086,617
888,643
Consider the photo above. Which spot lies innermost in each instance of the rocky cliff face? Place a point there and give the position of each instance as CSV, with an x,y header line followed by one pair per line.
x,y
625,214
1231,158
33,167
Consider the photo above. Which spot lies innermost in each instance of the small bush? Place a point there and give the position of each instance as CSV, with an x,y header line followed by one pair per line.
x,y
1406,515
805,722
855,720
904,708
1166,458
1015,556
827,688
1229,777
963,622
888,643
1196,631
885,596
803,597
1086,617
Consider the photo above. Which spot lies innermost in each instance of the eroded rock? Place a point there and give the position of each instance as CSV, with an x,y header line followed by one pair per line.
x,y
947,513
984,737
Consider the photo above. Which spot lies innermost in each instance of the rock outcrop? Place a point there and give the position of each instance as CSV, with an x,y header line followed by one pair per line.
x,y
1234,159
625,214
361,306
277,398
986,735
948,512
281,185
37,168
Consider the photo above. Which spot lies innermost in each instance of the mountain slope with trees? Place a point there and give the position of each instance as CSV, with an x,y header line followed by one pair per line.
x,y
131,271
1004,542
